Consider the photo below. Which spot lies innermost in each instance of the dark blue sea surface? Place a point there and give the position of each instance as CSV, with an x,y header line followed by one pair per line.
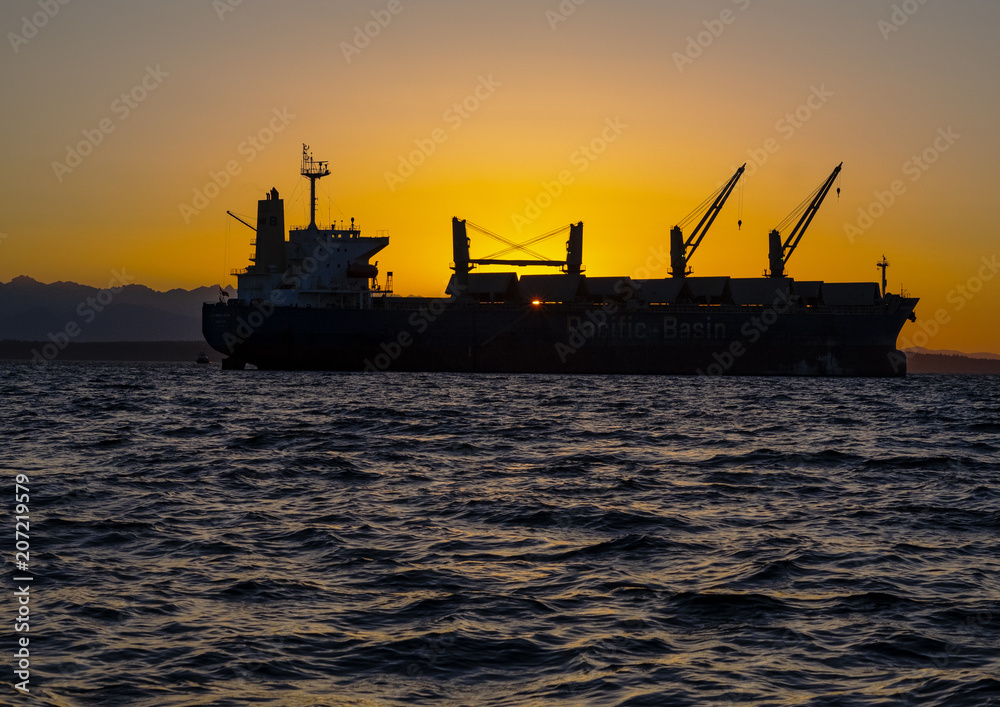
x,y
208,537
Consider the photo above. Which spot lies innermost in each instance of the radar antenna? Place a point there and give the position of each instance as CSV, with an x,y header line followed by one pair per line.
x,y
313,170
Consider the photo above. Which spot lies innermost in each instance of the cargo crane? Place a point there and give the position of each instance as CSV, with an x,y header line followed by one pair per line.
x,y
242,221
463,264
780,253
681,250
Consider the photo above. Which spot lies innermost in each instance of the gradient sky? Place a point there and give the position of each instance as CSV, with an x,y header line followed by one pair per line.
x,y
693,90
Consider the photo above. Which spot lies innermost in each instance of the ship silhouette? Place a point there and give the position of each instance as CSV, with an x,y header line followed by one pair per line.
x,y
314,301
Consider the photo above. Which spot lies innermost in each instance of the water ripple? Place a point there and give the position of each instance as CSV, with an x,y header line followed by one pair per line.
x,y
229,538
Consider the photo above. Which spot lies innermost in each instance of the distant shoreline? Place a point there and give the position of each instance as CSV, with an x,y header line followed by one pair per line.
x,y
189,350
109,350
950,363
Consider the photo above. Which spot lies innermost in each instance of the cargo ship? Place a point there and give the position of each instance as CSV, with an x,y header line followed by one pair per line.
x,y
314,301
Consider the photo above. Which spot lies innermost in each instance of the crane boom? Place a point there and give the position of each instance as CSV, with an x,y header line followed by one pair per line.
x,y
681,251
779,252
242,221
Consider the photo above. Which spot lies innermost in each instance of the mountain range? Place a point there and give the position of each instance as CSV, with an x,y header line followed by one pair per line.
x,y
35,311
948,352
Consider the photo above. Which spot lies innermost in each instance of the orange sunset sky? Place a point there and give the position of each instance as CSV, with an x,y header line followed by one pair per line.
x,y
117,114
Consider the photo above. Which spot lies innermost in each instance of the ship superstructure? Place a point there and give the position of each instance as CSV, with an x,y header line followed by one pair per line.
x,y
323,267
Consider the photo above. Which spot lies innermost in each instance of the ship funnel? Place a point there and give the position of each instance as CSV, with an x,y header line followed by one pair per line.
x,y
270,256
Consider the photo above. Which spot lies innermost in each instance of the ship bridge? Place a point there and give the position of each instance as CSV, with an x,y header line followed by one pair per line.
x,y
315,266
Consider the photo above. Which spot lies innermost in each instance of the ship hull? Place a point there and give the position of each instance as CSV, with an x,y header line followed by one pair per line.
x,y
437,335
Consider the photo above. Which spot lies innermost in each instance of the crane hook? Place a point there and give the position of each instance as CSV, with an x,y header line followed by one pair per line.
x,y
739,225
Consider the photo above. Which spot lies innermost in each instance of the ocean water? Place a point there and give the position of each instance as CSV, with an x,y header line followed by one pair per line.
x,y
208,537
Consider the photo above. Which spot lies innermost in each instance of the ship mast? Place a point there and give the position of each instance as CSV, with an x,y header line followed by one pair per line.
x,y
884,264
313,170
